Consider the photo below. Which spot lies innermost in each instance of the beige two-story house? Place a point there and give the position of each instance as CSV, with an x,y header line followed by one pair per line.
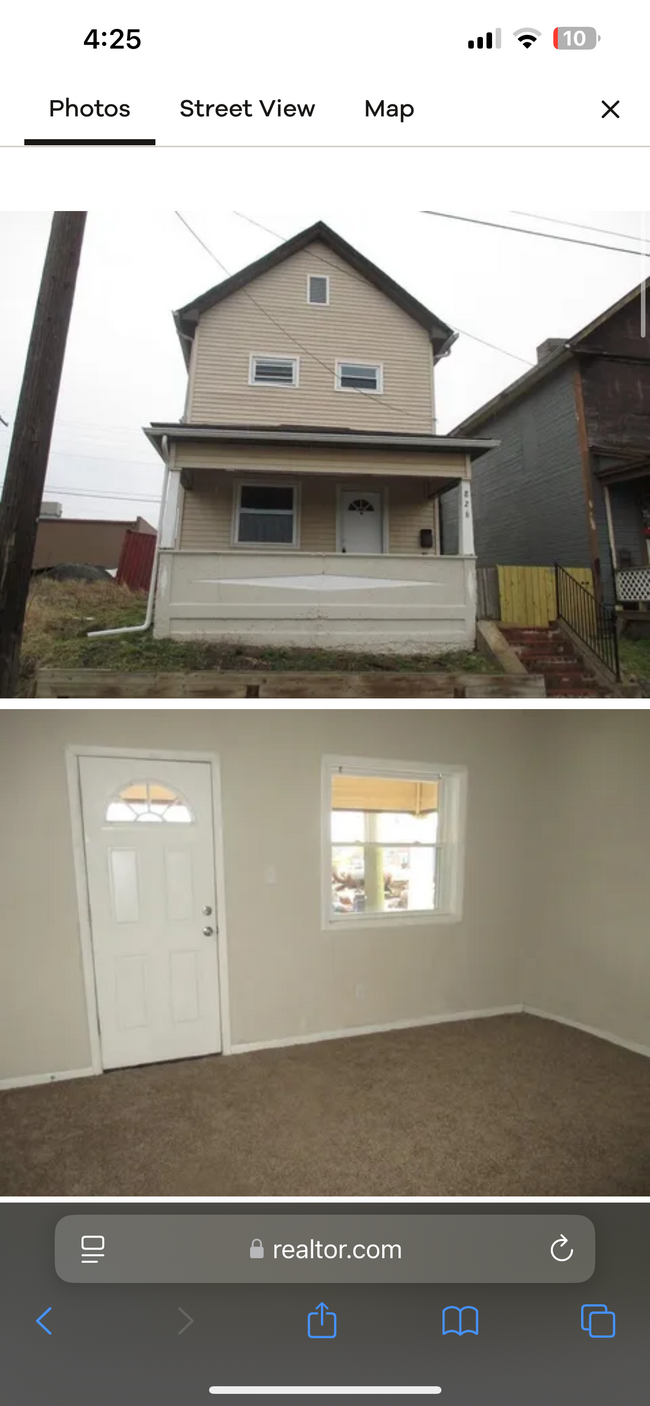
x,y
302,486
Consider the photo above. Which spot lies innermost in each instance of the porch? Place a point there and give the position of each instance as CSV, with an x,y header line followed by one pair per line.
x,y
626,493
391,602
316,538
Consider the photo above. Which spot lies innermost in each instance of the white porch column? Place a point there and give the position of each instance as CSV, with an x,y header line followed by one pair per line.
x,y
171,510
465,520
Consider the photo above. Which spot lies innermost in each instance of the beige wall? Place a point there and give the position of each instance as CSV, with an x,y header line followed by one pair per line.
x,y
207,514
287,977
588,957
557,891
360,324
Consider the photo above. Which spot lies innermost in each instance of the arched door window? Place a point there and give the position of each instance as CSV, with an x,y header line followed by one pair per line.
x,y
148,802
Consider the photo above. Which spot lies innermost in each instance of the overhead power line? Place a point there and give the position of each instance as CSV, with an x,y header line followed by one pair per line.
x,y
536,233
572,224
355,278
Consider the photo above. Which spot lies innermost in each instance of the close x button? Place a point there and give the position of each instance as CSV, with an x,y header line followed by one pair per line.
x,y
610,108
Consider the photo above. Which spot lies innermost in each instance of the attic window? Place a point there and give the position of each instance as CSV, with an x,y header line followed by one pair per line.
x,y
318,289
274,371
352,376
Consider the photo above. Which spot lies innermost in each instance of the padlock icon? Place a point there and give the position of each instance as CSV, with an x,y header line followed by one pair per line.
x,y
257,1250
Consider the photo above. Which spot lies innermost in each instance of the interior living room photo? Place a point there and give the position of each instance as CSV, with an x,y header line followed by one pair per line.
x,y
324,952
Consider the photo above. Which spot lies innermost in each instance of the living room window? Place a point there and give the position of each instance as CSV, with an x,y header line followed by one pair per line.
x,y
273,371
358,376
266,513
393,836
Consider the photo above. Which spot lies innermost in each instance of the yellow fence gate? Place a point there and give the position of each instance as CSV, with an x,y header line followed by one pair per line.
x,y
527,593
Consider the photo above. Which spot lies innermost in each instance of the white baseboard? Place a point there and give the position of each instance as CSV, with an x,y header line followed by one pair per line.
x,y
24,1080
352,1030
591,1030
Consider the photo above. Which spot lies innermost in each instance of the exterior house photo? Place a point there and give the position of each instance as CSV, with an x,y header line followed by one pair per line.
x,y
303,484
569,479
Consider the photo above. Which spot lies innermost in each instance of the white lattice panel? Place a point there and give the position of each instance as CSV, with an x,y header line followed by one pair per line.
x,y
633,585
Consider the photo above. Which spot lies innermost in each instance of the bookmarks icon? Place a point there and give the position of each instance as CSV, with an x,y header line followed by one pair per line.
x,y
459,1320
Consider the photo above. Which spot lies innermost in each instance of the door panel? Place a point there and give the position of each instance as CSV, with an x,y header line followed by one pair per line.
x,y
361,521
149,841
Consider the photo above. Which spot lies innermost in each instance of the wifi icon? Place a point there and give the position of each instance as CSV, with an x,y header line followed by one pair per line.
x,y
527,37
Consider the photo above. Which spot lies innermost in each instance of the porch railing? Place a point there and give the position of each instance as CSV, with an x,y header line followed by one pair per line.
x,y
592,623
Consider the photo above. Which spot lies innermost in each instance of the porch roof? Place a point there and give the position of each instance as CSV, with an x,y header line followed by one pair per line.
x,y
305,435
620,463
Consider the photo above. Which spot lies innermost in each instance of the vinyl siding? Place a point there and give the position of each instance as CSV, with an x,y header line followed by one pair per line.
x,y
319,458
206,523
359,324
529,505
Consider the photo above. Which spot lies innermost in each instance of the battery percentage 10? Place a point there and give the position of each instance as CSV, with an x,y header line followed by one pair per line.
x,y
586,38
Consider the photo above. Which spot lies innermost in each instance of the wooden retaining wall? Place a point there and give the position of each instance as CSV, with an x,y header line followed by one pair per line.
x,y
106,683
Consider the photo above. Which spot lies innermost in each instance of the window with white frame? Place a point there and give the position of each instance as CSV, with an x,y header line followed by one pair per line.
x,y
274,371
318,289
358,376
266,513
393,836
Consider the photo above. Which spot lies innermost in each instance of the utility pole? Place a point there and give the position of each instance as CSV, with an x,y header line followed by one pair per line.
x,y
30,442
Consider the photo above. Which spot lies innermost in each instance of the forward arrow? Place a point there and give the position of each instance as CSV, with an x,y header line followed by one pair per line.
x,y
185,1325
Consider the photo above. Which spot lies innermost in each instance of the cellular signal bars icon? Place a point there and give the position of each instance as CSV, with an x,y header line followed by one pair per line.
x,y
488,41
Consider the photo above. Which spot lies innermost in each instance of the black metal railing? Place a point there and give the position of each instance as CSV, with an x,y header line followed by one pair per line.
x,y
593,624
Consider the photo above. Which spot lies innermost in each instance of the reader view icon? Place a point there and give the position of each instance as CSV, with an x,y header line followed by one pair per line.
x,y
92,1249
459,1320
597,1320
321,1323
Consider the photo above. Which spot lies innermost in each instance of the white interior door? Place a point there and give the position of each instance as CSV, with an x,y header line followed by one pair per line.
x,y
361,521
149,842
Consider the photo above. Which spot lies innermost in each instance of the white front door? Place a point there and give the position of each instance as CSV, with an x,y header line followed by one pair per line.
x,y
150,862
361,521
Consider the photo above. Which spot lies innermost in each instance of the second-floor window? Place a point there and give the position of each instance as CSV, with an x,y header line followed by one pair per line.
x,y
353,376
273,371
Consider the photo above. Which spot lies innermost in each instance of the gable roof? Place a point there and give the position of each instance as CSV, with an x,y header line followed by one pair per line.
x,y
186,318
541,371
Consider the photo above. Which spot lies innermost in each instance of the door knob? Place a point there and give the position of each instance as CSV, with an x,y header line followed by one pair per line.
x,y
207,932
207,910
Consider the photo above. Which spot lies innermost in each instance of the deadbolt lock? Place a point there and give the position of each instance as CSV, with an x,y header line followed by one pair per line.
x,y
207,910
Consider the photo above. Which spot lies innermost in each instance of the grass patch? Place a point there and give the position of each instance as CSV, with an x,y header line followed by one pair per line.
x,y
635,657
60,614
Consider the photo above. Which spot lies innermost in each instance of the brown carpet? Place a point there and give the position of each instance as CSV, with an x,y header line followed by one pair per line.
x,y
507,1106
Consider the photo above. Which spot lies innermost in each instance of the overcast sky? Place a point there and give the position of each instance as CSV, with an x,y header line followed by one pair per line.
x,y
124,366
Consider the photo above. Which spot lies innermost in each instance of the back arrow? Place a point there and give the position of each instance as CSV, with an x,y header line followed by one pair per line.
x,y
185,1325
561,1242
41,1323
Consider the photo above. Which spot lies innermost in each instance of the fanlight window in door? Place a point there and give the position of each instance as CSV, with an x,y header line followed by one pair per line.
x,y
147,802
361,506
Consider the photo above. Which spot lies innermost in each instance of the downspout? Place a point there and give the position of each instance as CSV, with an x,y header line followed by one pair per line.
x,y
146,624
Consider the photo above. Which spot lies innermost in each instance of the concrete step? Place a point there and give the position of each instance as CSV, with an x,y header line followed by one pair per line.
x,y
560,664
570,680
578,693
532,653
531,632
